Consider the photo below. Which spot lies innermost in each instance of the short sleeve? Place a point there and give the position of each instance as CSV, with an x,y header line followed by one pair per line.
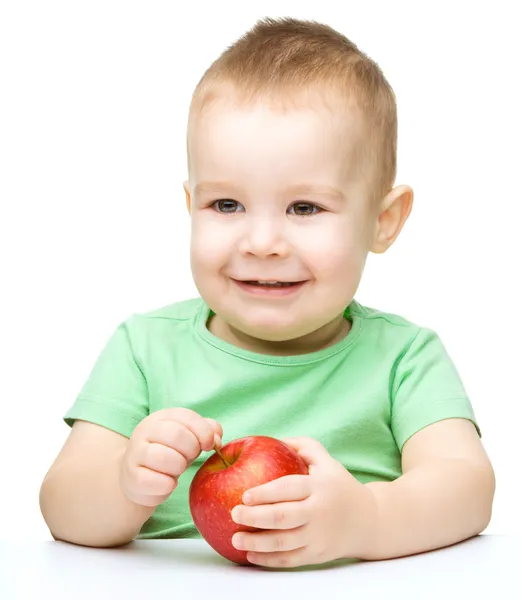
x,y
426,388
115,394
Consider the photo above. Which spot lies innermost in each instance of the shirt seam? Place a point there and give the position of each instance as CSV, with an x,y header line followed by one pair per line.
x,y
86,399
275,362
398,414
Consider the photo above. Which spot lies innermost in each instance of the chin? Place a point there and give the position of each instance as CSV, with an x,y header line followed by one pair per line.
x,y
276,336
268,331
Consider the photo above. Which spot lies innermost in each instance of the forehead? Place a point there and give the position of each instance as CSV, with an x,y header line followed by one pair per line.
x,y
328,108
257,123
304,132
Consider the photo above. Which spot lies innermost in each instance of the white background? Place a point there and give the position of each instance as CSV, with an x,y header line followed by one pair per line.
x,y
93,227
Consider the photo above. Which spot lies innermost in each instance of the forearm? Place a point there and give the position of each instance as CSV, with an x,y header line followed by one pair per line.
x,y
431,507
84,504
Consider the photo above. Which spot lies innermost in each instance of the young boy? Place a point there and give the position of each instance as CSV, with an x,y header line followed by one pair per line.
x,y
292,117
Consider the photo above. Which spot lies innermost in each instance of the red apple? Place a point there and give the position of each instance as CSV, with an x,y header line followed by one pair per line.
x,y
216,487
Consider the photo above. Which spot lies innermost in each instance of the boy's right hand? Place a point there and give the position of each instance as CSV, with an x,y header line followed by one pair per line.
x,y
160,449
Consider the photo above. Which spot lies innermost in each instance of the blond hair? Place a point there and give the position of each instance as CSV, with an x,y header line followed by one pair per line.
x,y
280,60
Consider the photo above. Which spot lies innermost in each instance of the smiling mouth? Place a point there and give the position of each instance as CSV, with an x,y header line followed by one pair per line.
x,y
270,289
273,284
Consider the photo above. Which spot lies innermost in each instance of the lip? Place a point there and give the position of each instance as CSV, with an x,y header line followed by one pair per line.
x,y
266,292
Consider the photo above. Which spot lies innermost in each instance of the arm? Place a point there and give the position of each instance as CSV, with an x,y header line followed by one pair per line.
x,y
81,498
444,495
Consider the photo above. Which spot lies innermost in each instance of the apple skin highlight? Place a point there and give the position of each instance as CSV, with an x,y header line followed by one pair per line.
x,y
216,489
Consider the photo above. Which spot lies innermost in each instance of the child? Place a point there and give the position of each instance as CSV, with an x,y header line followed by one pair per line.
x,y
291,116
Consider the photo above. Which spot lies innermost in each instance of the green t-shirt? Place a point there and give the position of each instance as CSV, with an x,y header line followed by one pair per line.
x,y
362,397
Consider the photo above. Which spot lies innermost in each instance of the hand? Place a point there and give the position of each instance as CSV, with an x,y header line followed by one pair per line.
x,y
160,449
308,519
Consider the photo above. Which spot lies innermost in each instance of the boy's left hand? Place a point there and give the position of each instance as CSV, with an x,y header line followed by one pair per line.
x,y
309,519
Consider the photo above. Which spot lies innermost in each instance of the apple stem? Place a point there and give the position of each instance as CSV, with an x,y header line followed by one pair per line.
x,y
221,457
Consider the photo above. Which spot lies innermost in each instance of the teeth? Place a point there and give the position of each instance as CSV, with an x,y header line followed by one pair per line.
x,y
272,283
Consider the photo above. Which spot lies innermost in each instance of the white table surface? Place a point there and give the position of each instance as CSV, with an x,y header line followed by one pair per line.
x,y
487,566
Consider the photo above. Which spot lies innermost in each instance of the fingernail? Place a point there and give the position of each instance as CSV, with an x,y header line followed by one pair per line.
x,y
235,515
238,541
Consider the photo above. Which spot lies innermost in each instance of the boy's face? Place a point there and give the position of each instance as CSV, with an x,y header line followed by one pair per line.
x,y
253,218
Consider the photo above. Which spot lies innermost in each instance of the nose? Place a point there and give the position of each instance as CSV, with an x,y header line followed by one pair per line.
x,y
264,237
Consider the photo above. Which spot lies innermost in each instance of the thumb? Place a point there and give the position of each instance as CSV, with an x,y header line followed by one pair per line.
x,y
215,425
311,450
217,432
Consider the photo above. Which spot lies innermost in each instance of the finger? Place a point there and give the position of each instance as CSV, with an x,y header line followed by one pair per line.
x,y
163,459
270,541
199,426
286,515
148,500
216,426
176,436
311,450
283,489
290,559
218,433
152,483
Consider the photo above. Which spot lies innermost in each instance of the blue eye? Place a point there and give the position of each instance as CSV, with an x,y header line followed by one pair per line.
x,y
229,205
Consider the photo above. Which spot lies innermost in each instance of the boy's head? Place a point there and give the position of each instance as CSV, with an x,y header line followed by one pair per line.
x,y
291,158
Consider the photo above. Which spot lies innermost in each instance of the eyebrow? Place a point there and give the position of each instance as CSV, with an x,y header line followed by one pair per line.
x,y
302,188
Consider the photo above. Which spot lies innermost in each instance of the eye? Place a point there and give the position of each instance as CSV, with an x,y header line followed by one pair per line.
x,y
227,206
307,208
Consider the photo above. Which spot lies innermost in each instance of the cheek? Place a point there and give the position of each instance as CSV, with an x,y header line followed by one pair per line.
x,y
208,246
340,250
205,241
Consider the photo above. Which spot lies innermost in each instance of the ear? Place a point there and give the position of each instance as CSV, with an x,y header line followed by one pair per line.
x,y
186,186
396,208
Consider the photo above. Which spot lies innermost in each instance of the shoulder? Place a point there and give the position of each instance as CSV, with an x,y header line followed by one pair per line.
x,y
183,310
175,316
380,318
395,336
387,327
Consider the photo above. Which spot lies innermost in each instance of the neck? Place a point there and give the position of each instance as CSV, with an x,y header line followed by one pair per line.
x,y
326,336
